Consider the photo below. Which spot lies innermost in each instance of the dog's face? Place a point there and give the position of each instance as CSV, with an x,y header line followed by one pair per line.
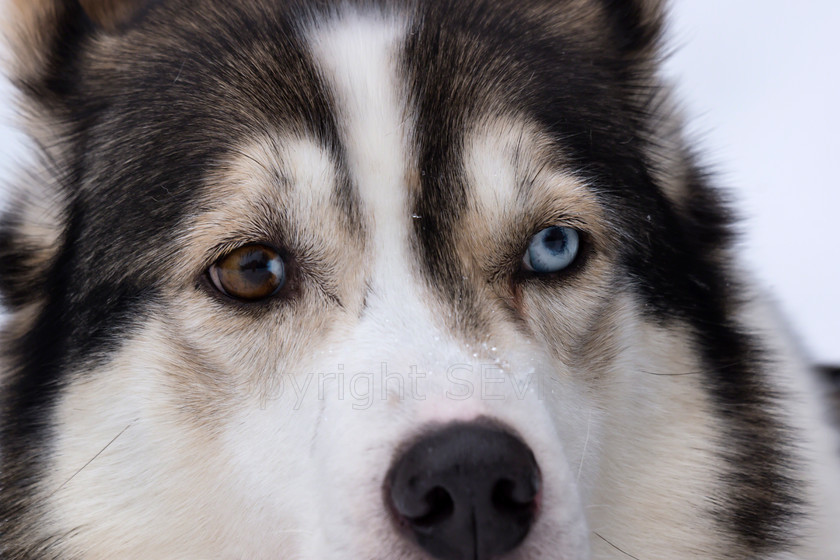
x,y
368,280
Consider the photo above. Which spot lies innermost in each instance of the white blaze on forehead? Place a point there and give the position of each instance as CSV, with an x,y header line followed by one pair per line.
x,y
359,53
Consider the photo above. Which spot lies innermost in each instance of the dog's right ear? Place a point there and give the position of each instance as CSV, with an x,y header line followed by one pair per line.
x,y
34,28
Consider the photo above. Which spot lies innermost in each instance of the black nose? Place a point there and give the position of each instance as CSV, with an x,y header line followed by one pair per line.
x,y
467,491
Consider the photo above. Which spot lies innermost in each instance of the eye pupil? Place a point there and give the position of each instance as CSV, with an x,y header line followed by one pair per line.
x,y
555,240
249,273
552,250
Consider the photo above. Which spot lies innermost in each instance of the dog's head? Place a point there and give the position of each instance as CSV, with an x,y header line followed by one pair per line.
x,y
367,280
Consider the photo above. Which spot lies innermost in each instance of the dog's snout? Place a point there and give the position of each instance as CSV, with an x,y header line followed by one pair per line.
x,y
468,491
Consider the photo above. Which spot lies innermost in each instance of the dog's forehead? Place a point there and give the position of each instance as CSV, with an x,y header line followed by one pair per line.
x,y
375,188
410,88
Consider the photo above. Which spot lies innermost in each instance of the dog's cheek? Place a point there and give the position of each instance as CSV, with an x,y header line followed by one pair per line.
x,y
158,450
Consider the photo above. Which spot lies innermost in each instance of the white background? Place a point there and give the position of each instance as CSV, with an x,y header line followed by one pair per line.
x,y
760,81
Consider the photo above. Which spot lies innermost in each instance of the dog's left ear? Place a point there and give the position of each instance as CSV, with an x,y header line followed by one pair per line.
x,y
637,23
111,15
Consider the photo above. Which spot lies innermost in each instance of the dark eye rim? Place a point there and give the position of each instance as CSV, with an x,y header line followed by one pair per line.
x,y
287,291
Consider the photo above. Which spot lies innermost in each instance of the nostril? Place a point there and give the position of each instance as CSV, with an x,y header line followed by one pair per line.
x,y
440,507
516,499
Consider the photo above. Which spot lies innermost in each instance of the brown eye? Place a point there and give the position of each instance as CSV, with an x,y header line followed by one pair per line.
x,y
250,273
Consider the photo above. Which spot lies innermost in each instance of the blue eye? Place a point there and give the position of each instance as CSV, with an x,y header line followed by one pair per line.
x,y
552,250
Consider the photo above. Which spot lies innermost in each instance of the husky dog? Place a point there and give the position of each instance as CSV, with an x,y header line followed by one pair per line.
x,y
383,279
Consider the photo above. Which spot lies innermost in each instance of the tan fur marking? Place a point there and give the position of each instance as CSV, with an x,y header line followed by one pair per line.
x,y
519,187
279,182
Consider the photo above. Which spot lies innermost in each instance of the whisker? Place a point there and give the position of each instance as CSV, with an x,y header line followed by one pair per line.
x,y
723,367
101,451
585,445
672,374
615,547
